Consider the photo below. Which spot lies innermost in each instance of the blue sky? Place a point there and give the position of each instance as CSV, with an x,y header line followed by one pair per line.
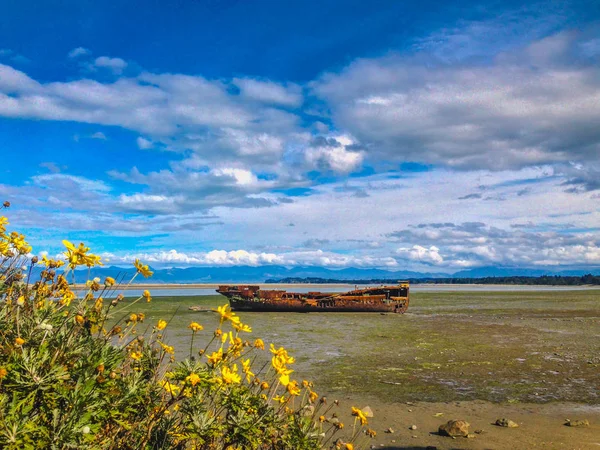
x,y
402,135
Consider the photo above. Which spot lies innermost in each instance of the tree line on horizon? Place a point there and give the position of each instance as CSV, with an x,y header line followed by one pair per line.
x,y
547,280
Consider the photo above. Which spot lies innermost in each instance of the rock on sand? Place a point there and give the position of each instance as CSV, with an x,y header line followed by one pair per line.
x,y
507,423
578,423
454,428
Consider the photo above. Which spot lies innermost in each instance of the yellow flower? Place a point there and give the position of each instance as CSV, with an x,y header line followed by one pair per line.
x,y
79,256
282,354
284,380
3,372
230,376
193,379
142,268
280,398
195,327
67,297
321,419
79,319
171,388
360,415
247,370
293,388
109,282
135,355
264,385
313,396
3,223
146,295
167,348
19,341
349,446
279,365
162,324
216,357
259,344
371,433
226,314
133,317
239,326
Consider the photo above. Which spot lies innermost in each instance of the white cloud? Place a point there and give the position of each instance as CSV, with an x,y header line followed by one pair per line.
x,y
270,92
422,254
525,108
99,135
337,159
115,65
79,51
250,258
144,143
241,176
240,257
13,81
59,180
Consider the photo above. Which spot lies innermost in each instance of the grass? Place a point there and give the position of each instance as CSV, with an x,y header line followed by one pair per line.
x,y
498,346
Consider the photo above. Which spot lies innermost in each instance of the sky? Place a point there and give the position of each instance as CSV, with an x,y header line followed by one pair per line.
x,y
428,136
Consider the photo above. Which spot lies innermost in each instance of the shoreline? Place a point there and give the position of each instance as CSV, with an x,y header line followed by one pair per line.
x,y
184,286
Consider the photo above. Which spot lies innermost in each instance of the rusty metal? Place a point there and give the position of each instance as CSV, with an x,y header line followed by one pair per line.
x,y
374,299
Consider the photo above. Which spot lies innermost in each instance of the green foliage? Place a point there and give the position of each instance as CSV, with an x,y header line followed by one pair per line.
x,y
68,380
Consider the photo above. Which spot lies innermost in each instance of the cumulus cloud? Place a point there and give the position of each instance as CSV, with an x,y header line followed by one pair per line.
x,y
422,254
334,153
115,65
79,51
181,112
241,176
269,92
507,113
477,244
252,258
144,143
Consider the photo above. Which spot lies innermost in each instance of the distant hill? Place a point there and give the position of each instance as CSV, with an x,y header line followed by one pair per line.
x,y
547,280
251,274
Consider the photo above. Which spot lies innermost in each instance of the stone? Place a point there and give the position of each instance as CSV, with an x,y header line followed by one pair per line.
x,y
507,423
390,430
578,423
454,428
470,436
367,411
412,427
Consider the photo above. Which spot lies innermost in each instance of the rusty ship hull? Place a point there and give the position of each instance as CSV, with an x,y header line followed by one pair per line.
x,y
392,299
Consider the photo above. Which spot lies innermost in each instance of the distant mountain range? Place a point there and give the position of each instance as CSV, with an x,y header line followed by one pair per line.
x,y
252,274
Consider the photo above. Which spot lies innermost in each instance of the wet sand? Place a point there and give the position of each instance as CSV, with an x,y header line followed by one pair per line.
x,y
532,357
540,425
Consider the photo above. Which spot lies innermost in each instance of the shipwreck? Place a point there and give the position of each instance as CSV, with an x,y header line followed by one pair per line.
x,y
393,299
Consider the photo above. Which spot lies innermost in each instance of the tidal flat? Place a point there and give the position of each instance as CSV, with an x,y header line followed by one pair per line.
x,y
512,349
